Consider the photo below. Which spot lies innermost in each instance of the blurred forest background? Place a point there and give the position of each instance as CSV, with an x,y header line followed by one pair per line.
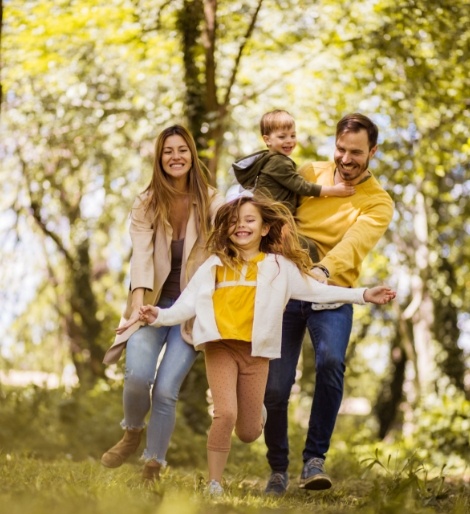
x,y
86,87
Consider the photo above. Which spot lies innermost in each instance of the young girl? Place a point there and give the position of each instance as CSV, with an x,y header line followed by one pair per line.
x,y
238,296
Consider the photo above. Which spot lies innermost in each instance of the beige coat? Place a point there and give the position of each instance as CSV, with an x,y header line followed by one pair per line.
x,y
151,264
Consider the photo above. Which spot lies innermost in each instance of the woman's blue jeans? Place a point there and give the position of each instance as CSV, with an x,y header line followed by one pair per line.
x,y
148,388
329,332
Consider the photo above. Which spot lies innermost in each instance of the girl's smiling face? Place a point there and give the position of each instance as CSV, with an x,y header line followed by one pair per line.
x,y
247,230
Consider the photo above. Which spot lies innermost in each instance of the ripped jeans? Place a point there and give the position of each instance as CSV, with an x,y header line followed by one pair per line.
x,y
147,388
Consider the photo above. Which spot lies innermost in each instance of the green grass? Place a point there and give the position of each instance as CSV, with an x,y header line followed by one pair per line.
x,y
35,486
51,443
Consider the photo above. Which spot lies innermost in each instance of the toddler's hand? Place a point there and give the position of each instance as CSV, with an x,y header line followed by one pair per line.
x,y
148,313
343,189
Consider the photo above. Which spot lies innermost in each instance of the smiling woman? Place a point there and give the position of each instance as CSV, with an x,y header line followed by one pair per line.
x,y
170,222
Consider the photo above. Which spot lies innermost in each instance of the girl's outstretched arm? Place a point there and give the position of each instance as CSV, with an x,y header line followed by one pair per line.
x,y
307,288
379,295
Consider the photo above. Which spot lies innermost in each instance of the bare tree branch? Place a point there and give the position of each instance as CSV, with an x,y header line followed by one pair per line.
x,y
35,211
158,24
208,41
243,44
275,81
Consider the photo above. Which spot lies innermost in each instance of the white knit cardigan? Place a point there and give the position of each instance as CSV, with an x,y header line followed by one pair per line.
x,y
278,281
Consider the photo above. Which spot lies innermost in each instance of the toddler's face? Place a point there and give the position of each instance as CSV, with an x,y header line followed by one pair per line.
x,y
282,141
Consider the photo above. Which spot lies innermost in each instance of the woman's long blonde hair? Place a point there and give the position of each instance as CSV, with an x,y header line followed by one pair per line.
x,y
282,238
160,191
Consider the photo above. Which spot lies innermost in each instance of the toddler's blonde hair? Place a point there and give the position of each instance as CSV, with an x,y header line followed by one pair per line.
x,y
276,120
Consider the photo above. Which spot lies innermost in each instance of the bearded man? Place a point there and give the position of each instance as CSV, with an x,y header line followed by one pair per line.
x,y
344,230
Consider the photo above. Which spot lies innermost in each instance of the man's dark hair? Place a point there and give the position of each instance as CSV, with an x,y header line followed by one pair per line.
x,y
354,123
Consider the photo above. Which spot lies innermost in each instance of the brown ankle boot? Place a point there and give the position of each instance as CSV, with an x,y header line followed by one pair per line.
x,y
121,451
151,470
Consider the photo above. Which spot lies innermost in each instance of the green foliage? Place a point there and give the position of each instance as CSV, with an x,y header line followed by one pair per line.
x,y
88,84
439,436
48,424
443,428
409,484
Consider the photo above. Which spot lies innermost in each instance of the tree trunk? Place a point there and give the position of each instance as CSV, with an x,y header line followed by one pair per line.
x,y
420,310
391,395
189,25
446,331
206,113
83,328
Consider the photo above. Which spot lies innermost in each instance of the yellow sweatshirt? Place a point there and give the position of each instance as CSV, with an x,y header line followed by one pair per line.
x,y
345,229
234,299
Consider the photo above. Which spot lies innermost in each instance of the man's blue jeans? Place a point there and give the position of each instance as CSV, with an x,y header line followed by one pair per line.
x,y
146,387
329,332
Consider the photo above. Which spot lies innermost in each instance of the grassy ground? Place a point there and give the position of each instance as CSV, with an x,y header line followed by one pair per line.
x,y
34,486
51,443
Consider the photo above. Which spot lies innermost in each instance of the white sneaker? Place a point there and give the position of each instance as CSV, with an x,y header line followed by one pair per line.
x,y
214,489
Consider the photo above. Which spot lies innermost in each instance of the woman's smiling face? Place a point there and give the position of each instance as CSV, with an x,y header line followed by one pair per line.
x,y
176,157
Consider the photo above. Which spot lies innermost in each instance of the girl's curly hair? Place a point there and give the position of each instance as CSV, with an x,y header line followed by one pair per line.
x,y
282,238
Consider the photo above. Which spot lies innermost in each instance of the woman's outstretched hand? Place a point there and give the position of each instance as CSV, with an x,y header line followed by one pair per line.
x,y
133,318
379,295
148,313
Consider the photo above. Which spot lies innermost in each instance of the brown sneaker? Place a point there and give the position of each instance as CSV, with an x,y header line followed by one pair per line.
x,y
151,470
121,451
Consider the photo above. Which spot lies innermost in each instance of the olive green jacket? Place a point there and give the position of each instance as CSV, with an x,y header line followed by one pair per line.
x,y
276,175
